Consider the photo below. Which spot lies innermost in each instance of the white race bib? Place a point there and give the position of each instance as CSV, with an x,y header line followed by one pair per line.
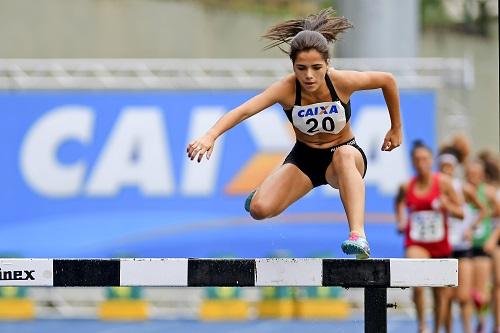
x,y
456,233
327,117
427,226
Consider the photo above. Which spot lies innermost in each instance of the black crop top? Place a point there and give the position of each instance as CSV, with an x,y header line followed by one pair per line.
x,y
333,94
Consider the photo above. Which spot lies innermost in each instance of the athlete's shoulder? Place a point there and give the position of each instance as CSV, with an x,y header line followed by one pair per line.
x,y
468,189
445,181
351,81
288,80
285,85
410,184
282,90
403,188
347,77
343,80
443,177
491,192
341,75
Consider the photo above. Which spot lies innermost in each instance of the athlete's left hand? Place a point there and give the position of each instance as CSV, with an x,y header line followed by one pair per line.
x,y
393,139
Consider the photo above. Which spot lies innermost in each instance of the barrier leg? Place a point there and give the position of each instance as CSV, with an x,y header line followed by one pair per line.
x,y
375,310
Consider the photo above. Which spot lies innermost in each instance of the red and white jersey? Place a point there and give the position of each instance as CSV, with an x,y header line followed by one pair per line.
x,y
427,225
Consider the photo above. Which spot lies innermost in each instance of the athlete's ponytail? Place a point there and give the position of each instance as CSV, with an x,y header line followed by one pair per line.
x,y
491,165
313,32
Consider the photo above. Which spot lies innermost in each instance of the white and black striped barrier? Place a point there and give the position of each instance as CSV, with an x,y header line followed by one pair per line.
x,y
375,275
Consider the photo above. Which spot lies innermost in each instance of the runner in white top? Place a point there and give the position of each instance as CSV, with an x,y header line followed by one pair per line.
x,y
460,239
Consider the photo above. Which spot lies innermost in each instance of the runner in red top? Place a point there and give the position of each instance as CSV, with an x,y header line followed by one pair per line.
x,y
422,207
427,224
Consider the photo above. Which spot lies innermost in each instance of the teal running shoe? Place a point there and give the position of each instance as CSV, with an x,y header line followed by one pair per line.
x,y
357,246
249,200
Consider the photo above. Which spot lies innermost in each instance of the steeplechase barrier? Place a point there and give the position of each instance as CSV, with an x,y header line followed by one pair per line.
x,y
374,275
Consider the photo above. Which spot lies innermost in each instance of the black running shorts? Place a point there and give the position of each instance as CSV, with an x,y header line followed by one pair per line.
x,y
314,161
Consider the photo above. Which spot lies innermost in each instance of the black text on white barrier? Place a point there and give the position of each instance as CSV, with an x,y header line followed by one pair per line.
x,y
183,272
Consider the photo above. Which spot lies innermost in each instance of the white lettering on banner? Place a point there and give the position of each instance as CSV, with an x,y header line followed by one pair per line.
x,y
386,170
270,131
38,157
136,154
200,178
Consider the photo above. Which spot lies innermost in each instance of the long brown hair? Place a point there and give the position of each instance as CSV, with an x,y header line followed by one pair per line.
x,y
313,32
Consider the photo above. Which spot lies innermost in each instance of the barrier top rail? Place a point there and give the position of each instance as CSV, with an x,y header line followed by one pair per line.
x,y
166,74
383,273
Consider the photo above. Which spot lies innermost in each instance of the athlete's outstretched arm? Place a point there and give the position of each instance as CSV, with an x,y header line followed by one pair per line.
x,y
400,208
355,81
205,143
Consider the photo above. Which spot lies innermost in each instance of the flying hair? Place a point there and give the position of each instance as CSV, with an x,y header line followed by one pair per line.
x,y
315,31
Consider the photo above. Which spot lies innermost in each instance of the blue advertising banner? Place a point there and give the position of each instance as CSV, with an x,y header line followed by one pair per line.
x,y
98,174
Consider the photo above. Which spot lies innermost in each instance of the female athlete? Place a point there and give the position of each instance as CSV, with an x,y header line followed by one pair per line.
x,y
316,100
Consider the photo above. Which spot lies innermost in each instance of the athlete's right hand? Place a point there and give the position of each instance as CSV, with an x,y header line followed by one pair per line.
x,y
201,146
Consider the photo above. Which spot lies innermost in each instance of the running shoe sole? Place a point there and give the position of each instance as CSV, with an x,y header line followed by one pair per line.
x,y
352,248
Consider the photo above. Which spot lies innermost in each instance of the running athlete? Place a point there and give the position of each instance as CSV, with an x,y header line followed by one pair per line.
x,y
481,230
449,159
428,198
316,100
492,247
491,162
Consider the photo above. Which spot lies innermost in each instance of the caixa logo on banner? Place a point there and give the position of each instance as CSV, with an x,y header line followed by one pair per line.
x,y
137,153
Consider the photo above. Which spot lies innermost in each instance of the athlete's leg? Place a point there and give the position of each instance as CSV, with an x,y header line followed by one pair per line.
x,y
416,252
447,298
462,295
496,288
463,292
481,285
278,191
346,173
439,311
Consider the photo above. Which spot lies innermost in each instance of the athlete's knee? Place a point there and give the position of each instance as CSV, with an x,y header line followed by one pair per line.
x,y
463,300
258,208
463,295
344,155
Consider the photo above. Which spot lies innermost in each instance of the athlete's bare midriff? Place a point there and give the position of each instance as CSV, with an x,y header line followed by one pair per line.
x,y
324,140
